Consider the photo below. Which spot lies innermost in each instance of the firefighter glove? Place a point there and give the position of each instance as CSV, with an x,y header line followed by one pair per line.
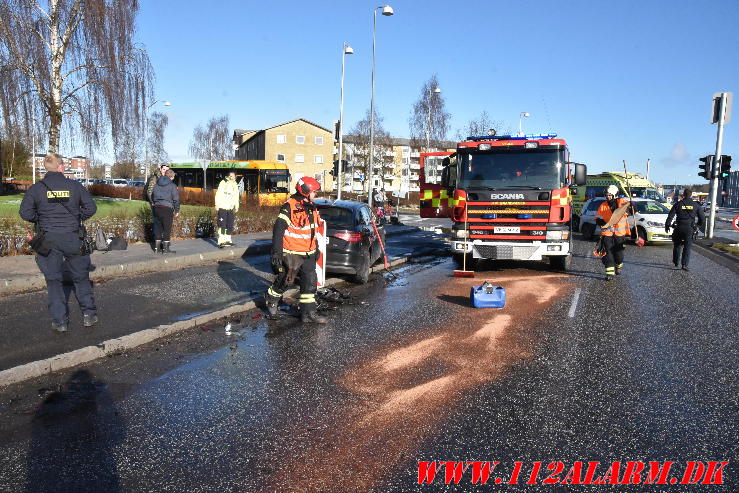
x,y
276,261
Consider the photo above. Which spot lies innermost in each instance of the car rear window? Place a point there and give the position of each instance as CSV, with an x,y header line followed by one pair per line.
x,y
337,217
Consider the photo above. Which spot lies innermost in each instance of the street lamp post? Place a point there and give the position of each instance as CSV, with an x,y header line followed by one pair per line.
x,y
33,147
524,114
146,137
387,10
428,128
347,50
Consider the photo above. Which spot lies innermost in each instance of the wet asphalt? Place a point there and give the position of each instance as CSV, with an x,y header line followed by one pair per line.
x,y
641,368
127,305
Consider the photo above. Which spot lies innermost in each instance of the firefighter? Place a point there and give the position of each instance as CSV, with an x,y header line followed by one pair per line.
x,y
295,250
227,205
685,210
613,237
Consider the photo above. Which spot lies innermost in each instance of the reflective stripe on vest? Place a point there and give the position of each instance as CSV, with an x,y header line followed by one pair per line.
x,y
300,235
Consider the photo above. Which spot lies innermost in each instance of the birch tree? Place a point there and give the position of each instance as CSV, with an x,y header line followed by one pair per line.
x,y
481,125
360,142
212,141
76,65
429,119
155,143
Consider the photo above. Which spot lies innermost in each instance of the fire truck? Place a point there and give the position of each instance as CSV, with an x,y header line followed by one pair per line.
x,y
508,197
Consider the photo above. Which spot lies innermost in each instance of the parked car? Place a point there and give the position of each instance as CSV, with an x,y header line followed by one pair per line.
x,y
137,183
119,182
650,219
353,246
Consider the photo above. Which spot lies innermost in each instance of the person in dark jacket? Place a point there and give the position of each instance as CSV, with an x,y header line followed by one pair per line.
x,y
165,199
57,206
149,188
685,211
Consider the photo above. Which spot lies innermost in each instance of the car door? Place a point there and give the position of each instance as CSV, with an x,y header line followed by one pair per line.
x,y
364,225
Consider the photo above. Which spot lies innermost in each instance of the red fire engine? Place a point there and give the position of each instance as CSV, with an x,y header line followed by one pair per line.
x,y
508,197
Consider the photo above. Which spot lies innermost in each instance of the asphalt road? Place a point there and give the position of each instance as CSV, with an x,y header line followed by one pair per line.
x,y
127,305
572,369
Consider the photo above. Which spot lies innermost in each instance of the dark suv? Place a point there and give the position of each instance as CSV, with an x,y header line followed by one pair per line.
x,y
353,246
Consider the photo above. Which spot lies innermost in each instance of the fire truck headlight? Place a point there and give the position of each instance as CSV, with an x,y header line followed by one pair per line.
x,y
554,235
484,147
462,233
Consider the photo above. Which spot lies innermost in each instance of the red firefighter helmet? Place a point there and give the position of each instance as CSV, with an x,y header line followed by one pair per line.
x,y
306,185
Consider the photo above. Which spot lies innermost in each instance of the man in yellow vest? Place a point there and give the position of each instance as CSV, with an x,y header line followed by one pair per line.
x,y
613,233
295,250
227,205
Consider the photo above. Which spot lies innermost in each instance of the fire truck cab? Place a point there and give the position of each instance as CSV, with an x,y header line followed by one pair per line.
x,y
508,197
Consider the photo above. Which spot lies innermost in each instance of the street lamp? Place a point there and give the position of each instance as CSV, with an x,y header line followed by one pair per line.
x,y
146,137
524,114
387,10
428,128
347,50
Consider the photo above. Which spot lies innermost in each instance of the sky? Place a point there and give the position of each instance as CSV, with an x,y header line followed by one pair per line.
x,y
627,80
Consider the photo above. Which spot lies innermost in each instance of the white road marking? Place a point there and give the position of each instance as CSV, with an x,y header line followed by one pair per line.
x,y
575,299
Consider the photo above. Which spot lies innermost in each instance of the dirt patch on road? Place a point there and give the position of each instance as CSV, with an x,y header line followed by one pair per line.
x,y
406,391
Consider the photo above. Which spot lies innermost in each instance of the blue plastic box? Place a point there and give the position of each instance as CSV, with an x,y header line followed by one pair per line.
x,y
487,296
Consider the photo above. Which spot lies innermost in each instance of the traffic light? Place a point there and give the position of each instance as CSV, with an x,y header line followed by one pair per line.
x,y
335,172
725,169
707,167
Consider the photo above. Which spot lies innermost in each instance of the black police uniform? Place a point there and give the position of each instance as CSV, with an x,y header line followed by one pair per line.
x,y
685,211
44,204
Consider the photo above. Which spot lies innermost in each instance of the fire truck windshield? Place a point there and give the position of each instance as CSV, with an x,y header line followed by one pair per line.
x,y
508,167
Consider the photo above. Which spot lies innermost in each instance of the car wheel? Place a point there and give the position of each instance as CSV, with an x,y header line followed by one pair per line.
x,y
394,220
588,230
575,223
363,269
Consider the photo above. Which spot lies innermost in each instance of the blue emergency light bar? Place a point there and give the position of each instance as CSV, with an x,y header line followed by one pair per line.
x,y
513,137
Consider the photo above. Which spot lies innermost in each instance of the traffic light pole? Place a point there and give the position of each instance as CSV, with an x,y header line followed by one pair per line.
x,y
716,167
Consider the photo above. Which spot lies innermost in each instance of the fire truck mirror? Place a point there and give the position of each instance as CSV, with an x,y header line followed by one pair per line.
x,y
581,174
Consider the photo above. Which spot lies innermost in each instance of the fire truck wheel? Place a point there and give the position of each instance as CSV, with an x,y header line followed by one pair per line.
x,y
363,269
561,263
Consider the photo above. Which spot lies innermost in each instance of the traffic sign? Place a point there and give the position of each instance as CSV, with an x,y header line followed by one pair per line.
x,y
735,222
727,96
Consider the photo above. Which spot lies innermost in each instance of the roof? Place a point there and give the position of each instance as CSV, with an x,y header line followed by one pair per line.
x,y
296,120
347,204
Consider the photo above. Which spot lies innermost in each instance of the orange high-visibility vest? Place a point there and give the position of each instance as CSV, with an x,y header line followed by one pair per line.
x,y
300,235
621,228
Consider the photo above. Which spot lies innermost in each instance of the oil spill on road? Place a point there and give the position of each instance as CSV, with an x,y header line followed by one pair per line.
x,y
405,391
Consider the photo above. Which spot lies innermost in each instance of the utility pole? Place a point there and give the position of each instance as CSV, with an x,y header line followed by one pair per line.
x,y
721,115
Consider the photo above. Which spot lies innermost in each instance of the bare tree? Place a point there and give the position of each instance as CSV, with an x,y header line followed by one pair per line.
x,y
429,119
212,142
482,125
76,63
155,143
360,142
125,169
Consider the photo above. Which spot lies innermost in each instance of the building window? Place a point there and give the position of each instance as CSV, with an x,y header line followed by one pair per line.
x,y
318,141
281,139
318,159
280,158
300,139
299,158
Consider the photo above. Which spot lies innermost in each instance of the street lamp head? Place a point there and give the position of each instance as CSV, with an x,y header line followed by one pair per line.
x,y
387,10
348,50
437,90
525,114
166,103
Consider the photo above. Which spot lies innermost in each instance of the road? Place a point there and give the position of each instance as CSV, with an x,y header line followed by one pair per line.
x,y
572,369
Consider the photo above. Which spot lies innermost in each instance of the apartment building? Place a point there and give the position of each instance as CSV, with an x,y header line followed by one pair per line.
x,y
305,147
396,166
74,167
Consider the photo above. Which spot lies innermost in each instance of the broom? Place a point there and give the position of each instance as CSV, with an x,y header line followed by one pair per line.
x,y
464,272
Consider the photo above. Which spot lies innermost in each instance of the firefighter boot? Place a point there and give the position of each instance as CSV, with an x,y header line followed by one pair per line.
x,y
618,269
157,246
165,248
272,303
610,272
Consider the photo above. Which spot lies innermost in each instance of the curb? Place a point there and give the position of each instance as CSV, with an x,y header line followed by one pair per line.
x,y
257,247
722,258
111,346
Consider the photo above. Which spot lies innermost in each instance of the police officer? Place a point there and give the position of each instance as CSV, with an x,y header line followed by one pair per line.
x,y
57,206
685,210
295,250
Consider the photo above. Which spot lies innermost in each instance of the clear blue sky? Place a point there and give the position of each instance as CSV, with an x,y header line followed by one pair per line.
x,y
619,80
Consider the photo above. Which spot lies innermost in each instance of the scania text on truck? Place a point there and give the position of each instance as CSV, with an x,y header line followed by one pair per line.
x,y
508,197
